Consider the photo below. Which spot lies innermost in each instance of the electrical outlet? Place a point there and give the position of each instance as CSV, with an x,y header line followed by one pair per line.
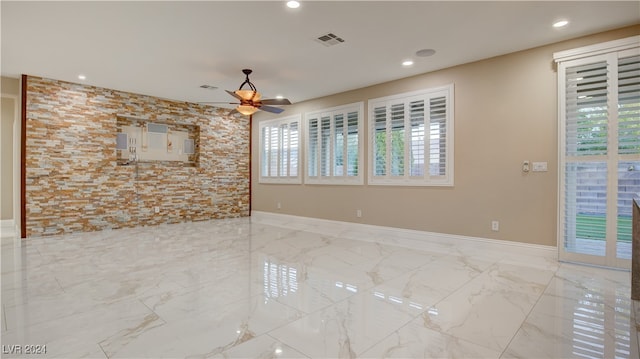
x,y
525,166
156,209
495,226
278,205
359,213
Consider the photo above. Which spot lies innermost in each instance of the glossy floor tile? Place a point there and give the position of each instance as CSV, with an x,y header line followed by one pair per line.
x,y
246,288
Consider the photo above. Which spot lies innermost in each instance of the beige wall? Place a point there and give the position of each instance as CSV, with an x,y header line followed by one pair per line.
x,y
10,86
505,113
10,107
6,169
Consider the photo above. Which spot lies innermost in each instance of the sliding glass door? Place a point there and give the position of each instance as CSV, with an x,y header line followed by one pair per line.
x,y
600,156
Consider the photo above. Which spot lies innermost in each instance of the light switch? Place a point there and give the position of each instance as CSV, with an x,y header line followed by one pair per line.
x,y
539,167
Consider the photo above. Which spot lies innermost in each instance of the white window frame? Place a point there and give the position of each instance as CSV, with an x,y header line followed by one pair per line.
x,y
333,178
445,180
278,178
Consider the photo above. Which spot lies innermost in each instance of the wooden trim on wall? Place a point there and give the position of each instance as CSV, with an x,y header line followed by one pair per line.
x,y
635,251
250,157
23,157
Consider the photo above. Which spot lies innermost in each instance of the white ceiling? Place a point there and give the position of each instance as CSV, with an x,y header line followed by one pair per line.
x,y
168,49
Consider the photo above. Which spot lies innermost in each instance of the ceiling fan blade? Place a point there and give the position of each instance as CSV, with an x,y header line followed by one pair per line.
x,y
233,112
276,101
234,95
271,109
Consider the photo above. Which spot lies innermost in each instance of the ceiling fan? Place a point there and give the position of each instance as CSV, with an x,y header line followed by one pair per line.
x,y
251,100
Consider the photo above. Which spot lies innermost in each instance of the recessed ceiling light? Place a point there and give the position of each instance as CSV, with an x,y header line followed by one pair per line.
x,y
293,4
407,63
82,77
425,52
560,23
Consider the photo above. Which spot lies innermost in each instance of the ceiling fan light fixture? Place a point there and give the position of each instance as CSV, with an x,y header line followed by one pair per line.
x,y
246,109
251,100
248,95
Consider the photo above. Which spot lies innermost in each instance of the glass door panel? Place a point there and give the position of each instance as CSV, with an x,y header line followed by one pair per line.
x,y
628,188
585,208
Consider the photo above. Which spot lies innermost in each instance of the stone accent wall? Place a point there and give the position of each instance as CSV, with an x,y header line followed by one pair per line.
x,y
74,182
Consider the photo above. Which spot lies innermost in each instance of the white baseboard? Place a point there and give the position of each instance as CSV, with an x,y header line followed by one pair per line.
x,y
389,235
7,228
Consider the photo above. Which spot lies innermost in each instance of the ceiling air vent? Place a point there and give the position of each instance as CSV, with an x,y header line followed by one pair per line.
x,y
329,39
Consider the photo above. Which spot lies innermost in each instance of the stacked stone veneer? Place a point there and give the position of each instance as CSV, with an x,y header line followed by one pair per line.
x,y
74,182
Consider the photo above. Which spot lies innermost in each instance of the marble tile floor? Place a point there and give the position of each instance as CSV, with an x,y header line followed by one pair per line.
x,y
244,289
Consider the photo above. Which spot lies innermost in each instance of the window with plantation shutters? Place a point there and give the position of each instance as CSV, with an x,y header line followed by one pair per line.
x,y
599,90
411,138
333,138
279,150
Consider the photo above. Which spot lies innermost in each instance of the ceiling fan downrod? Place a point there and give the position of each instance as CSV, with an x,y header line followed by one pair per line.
x,y
246,81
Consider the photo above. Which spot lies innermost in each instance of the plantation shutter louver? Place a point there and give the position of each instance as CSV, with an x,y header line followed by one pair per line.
x,y
397,140
629,105
380,141
417,138
339,144
312,161
274,144
438,136
294,142
284,150
325,148
352,144
586,110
